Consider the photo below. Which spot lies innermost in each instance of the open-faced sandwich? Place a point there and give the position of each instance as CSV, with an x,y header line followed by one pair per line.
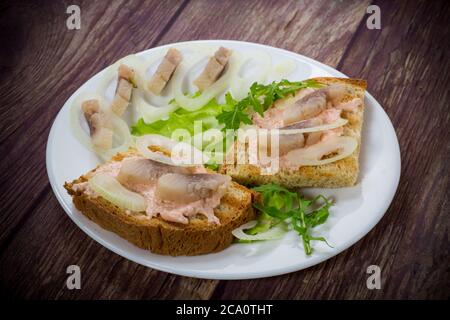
x,y
164,208
319,134
147,193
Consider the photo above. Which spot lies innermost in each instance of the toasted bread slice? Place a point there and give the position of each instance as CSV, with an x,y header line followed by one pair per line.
x,y
163,237
338,174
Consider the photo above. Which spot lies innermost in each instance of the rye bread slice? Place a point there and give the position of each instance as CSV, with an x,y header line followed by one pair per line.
x,y
163,237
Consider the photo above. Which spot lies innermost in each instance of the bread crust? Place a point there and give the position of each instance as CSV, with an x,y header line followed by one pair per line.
x,y
169,238
342,173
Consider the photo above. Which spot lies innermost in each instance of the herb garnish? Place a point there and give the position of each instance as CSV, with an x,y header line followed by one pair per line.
x,y
234,113
260,97
279,205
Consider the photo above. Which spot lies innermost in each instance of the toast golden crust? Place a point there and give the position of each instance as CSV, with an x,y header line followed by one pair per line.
x,y
169,238
338,174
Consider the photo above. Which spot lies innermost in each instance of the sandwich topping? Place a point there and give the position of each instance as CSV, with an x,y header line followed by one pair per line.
x,y
310,125
309,107
302,113
213,69
125,83
165,70
99,122
173,193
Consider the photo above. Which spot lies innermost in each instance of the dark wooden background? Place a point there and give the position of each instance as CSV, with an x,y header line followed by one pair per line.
x,y
406,64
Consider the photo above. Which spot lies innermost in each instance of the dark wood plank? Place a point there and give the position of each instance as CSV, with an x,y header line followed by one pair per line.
x,y
407,66
35,263
317,29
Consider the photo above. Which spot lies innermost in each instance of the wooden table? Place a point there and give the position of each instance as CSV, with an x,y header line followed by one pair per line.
x,y
406,64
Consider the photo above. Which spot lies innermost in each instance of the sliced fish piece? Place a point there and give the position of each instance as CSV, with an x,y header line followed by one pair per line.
x,y
307,107
308,104
187,188
139,170
124,89
309,123
89,107
127,73
328,134
286,143
125,83
313,138
213,69
337,92
325,117
165,71
119,105
100,125
289,100
289,142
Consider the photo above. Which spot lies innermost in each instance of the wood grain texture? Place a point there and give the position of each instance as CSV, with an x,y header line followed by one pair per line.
x,y
317,29
406,64
34,265
50,64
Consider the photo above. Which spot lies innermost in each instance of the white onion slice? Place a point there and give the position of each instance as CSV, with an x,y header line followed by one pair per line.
x,y
192,104
282,70
109,188
147,111
276,232
336,124
240,86
311,156
182,154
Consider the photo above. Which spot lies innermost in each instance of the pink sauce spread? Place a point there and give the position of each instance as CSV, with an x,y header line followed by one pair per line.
x,y
273,118
167,210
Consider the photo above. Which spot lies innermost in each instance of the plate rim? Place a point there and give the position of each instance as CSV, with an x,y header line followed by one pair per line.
x,y
211,274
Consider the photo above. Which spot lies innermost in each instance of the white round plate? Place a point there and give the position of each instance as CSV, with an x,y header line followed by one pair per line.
x,y
358,209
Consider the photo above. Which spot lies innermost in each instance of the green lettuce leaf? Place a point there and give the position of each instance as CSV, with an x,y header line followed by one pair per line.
x,y
181,119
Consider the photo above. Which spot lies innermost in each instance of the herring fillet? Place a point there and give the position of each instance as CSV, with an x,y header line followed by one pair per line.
x,y
213,69
100,125
124,89
165,70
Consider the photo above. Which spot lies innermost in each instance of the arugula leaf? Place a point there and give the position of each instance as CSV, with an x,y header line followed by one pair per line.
x,y
319,216
259,98
232,119
253,97
279,205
